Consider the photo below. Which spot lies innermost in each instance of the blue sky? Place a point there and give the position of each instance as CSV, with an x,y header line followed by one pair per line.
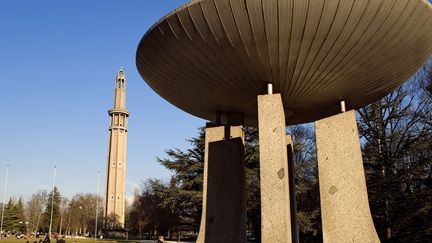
x,y
58,64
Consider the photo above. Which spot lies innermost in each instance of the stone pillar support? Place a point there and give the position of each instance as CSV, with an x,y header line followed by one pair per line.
x,y
274,172
345,212
291,178
223,217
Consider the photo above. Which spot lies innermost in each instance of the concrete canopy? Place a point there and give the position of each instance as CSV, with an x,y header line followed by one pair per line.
x,y
212,56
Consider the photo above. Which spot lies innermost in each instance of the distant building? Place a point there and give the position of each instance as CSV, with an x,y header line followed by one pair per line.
x,y
116,165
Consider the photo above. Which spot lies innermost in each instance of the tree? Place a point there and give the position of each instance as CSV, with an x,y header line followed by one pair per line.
x,y
34,210
307,189
63,210
185,189
11,218
19,209
396,138
53,202
253,203
80,214
14,219
112,222
152,210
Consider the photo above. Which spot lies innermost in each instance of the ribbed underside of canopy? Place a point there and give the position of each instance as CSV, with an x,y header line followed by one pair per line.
x,y
214,56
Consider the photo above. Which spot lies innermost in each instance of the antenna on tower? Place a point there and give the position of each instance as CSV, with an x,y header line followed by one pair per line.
x,y
121,68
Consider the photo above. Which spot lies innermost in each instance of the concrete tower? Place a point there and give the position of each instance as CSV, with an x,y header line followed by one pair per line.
x,y
116,166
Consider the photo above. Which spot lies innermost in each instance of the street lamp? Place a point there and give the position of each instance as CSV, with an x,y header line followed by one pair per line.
x,y
52,203
4,201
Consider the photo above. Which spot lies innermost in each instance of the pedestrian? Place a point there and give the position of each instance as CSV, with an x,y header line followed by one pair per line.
x,y
160,239
47,239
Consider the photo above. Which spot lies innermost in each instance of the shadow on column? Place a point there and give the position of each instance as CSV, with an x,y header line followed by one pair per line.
x,y
225,219
291,176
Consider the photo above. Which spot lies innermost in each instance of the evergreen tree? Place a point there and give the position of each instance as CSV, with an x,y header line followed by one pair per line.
x,y
184,194
19,208
11,218
54,201
14,220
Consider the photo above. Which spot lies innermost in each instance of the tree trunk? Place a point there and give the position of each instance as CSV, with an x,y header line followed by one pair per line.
x,y
383,159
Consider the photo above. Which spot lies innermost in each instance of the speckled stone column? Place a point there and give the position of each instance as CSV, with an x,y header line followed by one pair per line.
x,y
223,217
345,212
275,195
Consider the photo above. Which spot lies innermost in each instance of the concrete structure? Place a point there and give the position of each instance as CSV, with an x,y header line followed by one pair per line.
x,y
224,166
275,194
343,194
222,53
116,165
292,189
216,56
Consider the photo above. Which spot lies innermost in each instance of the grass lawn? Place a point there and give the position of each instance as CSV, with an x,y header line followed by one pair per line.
x,y
68,240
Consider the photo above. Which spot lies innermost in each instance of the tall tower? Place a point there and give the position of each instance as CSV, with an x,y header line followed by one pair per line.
x,y
116,166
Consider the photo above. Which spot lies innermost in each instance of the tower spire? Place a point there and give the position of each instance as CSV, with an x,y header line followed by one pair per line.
x,y
120,90
116,164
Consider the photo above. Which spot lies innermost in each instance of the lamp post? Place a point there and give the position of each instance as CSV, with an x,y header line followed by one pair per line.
x,y
52,203
97,204
4,201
